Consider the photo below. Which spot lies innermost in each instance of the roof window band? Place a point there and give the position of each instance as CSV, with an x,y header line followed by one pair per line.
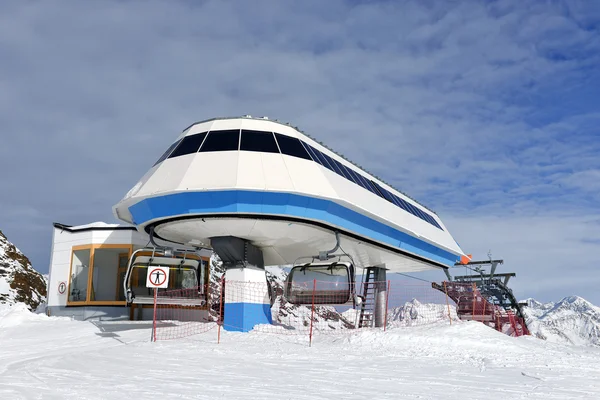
x,y
225,140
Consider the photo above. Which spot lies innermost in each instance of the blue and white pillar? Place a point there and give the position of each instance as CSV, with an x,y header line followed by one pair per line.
x,y
247,302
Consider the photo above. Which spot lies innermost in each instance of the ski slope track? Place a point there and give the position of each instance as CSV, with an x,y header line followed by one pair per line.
x,y
57,358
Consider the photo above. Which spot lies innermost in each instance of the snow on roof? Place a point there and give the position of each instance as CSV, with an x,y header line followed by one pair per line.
x,y
93,225
97,224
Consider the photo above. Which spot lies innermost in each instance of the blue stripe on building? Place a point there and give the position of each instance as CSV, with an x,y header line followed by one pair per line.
x,y
286,204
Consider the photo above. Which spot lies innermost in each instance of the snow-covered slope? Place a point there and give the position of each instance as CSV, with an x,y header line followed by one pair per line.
x,y
56,358
19,282
572,320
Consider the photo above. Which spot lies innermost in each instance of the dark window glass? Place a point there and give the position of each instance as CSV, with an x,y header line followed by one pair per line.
x,y
355,177
339,168
430,219
366,184
328,161
345,171
312,153
258,141
386,193
412,209
291,146
401,203
421,214
322,159
349,173
166,153
335,166
221,140
189,144
378,189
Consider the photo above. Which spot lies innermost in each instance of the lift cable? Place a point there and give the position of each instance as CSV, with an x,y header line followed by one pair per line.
x,y
413,277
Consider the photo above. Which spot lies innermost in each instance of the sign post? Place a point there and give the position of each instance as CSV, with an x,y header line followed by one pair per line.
x,y
158,277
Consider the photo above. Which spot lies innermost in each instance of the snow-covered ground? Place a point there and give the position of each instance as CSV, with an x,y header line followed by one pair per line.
x,y
57,358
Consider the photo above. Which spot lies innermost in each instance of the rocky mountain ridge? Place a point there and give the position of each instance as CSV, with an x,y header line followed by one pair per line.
x,y
19,282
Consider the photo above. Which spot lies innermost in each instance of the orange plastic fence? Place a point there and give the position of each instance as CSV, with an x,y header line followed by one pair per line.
x,y
307,309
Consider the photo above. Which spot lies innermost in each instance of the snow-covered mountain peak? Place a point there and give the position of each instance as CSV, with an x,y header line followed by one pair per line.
x,y
572,320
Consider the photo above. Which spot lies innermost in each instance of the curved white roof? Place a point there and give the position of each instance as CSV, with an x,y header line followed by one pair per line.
x,y
258,169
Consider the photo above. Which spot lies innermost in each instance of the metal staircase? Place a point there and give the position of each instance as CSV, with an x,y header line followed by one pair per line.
x,y
367,308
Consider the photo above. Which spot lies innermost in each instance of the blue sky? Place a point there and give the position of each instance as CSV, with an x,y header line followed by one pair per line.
x,y
487,112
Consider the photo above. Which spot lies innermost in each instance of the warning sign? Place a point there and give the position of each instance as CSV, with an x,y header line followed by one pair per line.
x,y
62,287
158,277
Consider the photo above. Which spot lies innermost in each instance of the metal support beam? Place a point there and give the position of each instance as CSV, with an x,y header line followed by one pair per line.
x,y
380,280
493,269
448,274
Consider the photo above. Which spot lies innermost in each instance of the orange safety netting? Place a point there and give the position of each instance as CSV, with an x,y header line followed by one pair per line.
x,y
305,309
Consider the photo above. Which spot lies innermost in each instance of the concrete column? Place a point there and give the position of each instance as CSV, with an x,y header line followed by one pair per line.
x,y
380,296
247,300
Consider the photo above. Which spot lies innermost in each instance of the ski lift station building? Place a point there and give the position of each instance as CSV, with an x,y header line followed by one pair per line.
x,y
256,192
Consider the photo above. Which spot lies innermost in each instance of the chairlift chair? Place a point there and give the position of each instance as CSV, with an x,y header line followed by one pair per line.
x,y
186,289
322,283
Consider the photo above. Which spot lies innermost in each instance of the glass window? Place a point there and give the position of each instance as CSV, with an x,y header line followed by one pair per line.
x,y
312,153
365,183
346,172
137,281
332,284
378,189
291,146
166,153
105,274
183,278
358,178
263,142
389,196
189,144
411,209
401,203
123,261
335,167
221,140
322,159
420,213
80,267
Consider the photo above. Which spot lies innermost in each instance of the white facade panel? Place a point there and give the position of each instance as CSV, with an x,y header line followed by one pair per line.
x,y
250,174
112,237
258,125
275,172
202,127
287,130
211,170
224,124
167,176
59,269
309,178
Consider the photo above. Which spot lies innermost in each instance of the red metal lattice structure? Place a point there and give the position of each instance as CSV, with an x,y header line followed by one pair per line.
x,y
472,305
